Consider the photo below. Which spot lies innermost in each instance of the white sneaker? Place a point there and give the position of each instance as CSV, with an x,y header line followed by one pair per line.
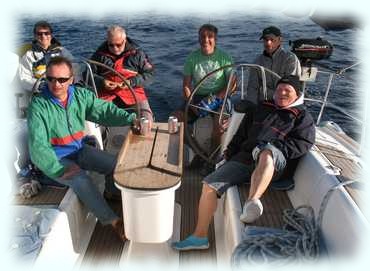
x,y
252,210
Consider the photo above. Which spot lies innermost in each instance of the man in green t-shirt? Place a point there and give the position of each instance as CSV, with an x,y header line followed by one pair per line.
x,y
200,63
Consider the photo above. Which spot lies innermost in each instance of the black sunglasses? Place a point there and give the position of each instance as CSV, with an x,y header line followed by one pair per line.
x,y
43,33
118,45
61,80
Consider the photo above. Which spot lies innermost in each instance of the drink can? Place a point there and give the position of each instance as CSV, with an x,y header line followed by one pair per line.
x,y
172,125
144,126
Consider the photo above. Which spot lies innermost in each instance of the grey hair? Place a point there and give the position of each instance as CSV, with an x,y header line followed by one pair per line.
x,y
114,29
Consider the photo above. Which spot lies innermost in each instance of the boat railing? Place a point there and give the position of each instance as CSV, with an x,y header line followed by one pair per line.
x,y
88,76
325,89
323,101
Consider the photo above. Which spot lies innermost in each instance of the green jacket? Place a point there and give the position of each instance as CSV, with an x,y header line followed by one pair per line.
x,y
55,131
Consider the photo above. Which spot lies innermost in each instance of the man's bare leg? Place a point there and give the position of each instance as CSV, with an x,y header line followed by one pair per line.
x,y
260,179
262,175
206,209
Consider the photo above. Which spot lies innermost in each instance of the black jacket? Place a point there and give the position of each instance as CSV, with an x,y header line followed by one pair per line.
x,y
291,130
136,61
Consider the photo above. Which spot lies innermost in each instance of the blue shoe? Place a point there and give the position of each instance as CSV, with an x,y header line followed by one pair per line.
x,y
191,243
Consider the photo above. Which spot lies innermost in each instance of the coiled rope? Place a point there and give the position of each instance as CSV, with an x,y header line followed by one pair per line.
x,y
298,240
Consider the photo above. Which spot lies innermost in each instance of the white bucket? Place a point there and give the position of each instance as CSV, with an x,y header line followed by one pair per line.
x,y
148,215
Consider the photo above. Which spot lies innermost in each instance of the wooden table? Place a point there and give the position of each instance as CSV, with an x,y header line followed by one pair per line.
x,y
153,162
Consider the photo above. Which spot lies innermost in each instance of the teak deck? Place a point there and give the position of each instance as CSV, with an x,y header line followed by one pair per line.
x,y
349,167
105,247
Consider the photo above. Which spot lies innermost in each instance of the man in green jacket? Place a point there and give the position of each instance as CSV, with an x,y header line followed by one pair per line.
x,y
56,122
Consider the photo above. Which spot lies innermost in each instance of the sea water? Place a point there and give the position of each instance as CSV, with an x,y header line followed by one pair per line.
x,y
168,39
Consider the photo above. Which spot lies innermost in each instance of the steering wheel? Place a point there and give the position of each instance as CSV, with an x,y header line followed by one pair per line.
x,y
197,148
190,105
124,80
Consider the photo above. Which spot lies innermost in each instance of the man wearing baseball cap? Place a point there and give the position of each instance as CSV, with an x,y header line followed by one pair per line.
x,y
271,139
270,31
274,58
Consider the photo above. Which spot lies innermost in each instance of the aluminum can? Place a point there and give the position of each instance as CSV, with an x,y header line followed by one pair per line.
x,y
144,126
172,125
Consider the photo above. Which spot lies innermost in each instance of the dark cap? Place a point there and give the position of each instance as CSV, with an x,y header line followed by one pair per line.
x,y
292,80
270,31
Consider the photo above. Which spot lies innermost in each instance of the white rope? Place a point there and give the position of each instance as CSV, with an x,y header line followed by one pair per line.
x,y
298,240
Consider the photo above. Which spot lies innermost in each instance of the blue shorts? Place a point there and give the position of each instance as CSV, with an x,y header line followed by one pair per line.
x,y
235,173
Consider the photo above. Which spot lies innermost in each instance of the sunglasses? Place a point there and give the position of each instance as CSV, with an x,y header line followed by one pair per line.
x,y
47,33
60,80
118,45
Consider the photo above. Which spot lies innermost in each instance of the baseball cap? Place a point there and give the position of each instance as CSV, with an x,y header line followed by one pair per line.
x,y
270,31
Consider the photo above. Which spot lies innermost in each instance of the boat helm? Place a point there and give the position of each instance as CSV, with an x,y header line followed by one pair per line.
x,y
212,103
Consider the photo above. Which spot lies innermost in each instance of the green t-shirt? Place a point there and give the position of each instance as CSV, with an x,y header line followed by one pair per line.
x,y
198,65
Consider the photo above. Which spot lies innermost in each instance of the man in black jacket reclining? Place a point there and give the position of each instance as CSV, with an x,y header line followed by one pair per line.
x,y
272,135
